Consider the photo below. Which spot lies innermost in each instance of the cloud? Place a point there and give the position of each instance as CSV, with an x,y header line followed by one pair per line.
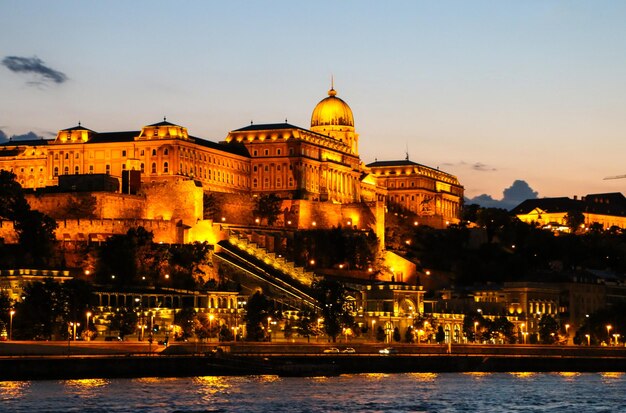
x,y
479,166
34,65
24,137
514,195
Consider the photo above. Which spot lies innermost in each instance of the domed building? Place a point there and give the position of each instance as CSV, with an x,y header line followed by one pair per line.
x,y
318,168
320,164
333,117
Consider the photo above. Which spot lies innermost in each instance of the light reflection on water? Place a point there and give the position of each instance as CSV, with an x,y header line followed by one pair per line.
x,y
419,392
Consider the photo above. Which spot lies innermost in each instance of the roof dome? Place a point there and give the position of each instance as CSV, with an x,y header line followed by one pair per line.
x,y
332,111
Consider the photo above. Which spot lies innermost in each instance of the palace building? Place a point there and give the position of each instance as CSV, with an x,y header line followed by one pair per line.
x,y
320,164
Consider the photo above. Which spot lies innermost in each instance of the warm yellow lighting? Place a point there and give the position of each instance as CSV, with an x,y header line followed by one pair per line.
x,y
167,276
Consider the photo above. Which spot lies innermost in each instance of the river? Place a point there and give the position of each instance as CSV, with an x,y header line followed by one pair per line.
x,y
414,392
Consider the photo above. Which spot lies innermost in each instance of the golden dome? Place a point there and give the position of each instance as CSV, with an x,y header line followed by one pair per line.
x,y
332,111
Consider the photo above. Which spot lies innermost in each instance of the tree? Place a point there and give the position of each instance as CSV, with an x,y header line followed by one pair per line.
x,y
258,309
78,207
396,334
305,324
440,336
548,329
184,319
212,207
268,207
409,335
503,330
337,315
124,322
225,334
574,220
380,334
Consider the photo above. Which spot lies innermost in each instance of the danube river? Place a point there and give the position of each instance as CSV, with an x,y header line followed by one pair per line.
x,y
417,392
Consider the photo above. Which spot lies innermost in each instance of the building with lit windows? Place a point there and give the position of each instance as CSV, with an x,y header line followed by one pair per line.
x,y
319,165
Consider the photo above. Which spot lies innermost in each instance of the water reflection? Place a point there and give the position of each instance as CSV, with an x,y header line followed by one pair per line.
x,y
13,389
84,387
523,374
423,377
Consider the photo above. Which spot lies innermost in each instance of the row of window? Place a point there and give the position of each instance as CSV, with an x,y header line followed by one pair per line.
x,y
266,183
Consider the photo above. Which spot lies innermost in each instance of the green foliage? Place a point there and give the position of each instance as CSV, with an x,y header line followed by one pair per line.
x,y
267,208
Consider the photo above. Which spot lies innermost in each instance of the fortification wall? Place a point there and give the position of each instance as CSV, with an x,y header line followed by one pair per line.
x,y
178,200
99,229
108,205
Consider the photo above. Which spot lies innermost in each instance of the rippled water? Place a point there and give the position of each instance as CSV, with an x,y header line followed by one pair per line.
x,y
423,392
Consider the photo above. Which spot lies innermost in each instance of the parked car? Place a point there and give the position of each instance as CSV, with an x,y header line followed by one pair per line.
x,y
388,350
112,338
331,350
348,350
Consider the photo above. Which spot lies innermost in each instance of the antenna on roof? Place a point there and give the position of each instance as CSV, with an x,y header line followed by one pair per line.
x,y
78,123
332,81
286,120
251,123
407,151
164,119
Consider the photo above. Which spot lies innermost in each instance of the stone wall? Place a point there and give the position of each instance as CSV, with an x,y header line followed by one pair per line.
x,y
176,200
108,205
99,229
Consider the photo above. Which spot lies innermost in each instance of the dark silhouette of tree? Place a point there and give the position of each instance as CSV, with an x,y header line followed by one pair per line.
x,y
574,220
306,324
380,334
185,320
258,309
332,297
548,329
440,336
268,208
78,207
396,335
124,322
212,207
35,230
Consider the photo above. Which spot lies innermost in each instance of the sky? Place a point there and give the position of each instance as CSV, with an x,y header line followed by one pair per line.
x,y
494,92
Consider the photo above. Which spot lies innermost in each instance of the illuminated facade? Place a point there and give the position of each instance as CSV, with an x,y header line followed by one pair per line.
x,y
320,164
607,210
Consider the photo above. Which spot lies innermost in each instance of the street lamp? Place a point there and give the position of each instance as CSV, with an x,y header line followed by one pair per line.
x,y
567,333
475,330
87,325
608,332
210,326
11,314
73,325
588,339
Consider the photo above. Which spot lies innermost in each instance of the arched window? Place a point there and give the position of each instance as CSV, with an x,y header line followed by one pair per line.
x,y
166,152
56,171
154,152
143,168
153,168
76,170
66,170
166,167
